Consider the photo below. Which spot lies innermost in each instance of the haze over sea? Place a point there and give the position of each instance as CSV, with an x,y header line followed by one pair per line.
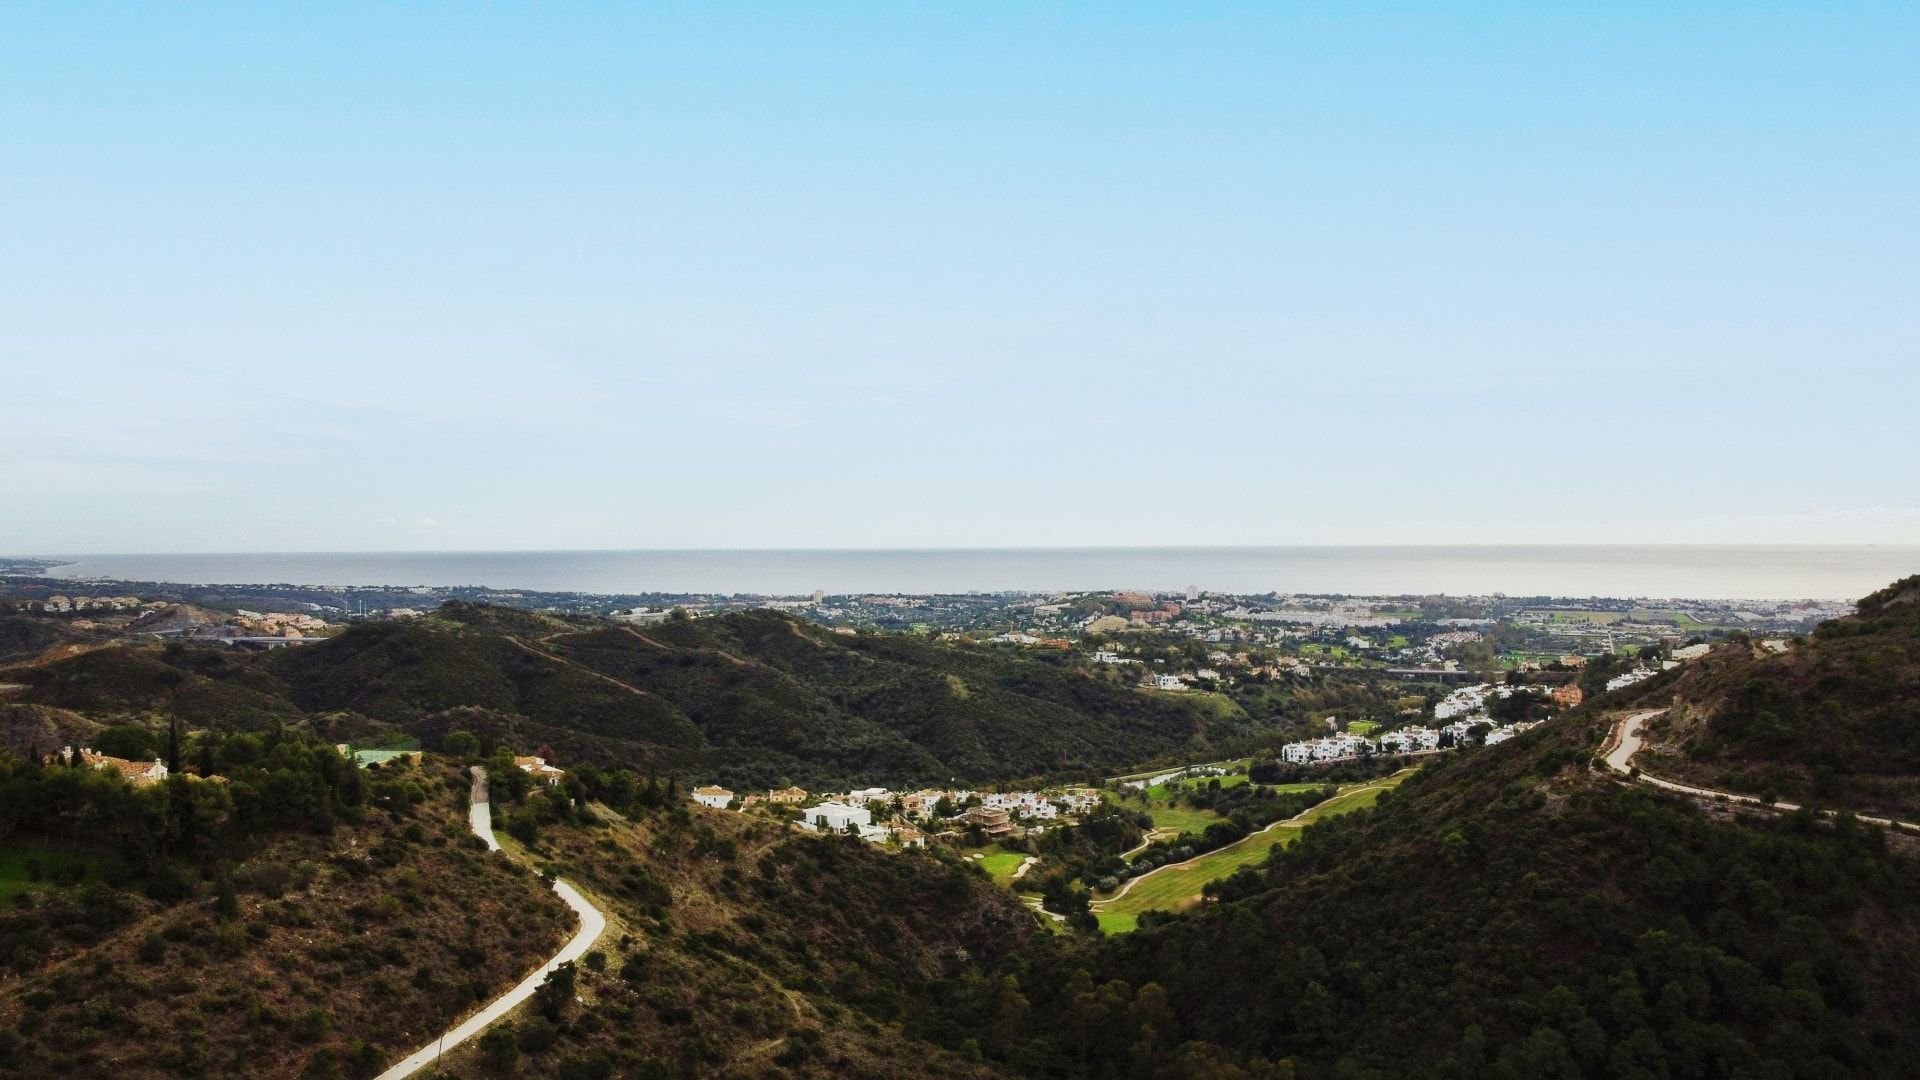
x,y
1699,571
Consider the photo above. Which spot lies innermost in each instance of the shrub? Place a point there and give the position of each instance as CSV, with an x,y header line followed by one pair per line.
x,y
537,1035
311,1025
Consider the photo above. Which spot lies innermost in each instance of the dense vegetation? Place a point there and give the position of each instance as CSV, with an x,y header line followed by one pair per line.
x,y
744,948
298,919
1834,721
1509,913
752,700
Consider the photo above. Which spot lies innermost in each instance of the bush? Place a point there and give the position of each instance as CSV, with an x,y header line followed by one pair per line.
x,y
500,1047
311,1025
537,1035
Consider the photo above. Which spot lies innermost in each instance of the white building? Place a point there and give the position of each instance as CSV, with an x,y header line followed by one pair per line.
x,y
1332,748
1168,682
834,817
717,797
1409,740
1466,700
1629,678
1499,735
868,795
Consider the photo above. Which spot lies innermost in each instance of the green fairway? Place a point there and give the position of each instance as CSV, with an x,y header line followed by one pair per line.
x,y
1362,727
1182,818
17,875
1174,888
1000,863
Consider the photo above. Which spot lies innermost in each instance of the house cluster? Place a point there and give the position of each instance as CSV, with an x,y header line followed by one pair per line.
x,y
1332,748
60,605
1410,740
281,623
906,818
141,773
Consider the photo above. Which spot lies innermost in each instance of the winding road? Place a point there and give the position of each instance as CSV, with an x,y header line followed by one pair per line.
x,y
1627,742
592,924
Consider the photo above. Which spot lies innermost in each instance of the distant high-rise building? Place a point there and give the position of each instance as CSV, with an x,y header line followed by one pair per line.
x,y
819,596
1193,593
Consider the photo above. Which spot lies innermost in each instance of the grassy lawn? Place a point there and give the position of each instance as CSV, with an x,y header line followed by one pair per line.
x,y
16,877
1000,862
1172,890
1182,818
1362,727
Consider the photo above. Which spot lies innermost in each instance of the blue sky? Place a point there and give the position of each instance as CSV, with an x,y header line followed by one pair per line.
x,y
279,277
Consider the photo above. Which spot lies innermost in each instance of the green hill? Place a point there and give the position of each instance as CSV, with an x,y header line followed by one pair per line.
x,y
752,700
1509,913
746,949
1834,721
294,912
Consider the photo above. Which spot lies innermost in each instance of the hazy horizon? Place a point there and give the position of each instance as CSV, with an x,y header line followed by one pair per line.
x,y
1775,572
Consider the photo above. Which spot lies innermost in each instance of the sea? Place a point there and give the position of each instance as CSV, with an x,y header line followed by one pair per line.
x,y
1716,572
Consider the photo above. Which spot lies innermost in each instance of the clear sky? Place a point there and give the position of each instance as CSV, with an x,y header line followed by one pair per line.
x,y
335,276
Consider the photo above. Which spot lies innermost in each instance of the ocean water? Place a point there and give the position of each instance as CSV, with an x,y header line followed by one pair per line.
x,y
1697,571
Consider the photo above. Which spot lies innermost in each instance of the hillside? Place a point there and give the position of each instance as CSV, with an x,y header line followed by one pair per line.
x,y
331,942
740,948
1509,912
1832,722
755,699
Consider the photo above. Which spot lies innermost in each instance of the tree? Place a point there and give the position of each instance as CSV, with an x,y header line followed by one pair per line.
x,y
128,741
461,744
556,992
500,1046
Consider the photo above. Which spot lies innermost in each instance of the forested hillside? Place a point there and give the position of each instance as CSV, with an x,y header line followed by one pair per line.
x,y
743,948
293,917
1834,721
1509,913
752,700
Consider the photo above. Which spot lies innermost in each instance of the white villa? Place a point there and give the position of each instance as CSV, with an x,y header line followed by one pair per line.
x,y
1409,740
1629,678
835,817
717,797
1332,748
1466,700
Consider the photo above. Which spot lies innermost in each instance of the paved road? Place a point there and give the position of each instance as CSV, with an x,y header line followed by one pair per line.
x,y
592,924
1627,741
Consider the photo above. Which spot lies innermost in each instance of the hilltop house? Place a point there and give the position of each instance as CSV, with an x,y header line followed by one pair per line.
x,y
538,768
835,817
1568,696
141,773
717,797
792,796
